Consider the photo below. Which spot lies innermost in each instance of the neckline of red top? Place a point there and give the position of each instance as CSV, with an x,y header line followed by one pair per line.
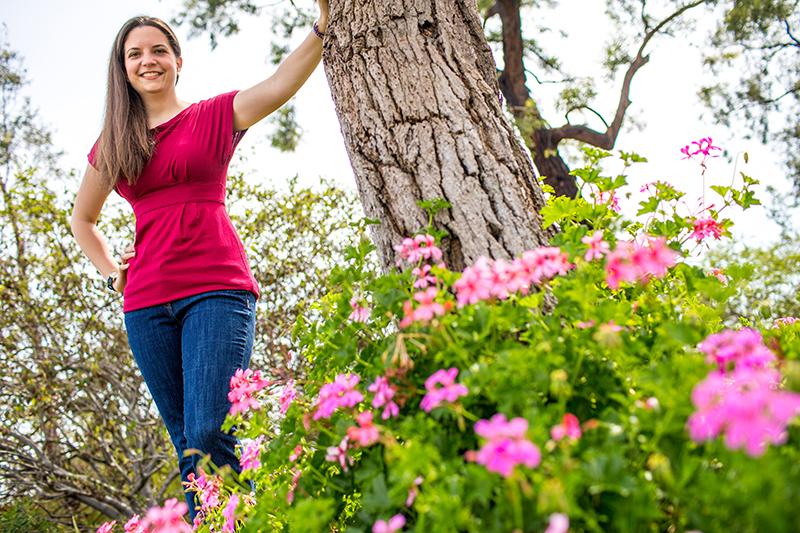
x,y
171,120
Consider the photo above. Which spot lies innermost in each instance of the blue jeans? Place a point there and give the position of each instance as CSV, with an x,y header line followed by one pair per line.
x,y
187,350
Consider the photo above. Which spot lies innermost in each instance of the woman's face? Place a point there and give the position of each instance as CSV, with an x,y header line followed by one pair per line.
x,y
150,63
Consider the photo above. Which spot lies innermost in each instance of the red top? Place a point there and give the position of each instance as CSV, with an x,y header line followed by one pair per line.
x,y
185,242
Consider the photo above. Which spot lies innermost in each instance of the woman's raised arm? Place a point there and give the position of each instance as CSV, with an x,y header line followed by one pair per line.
x,y
255,103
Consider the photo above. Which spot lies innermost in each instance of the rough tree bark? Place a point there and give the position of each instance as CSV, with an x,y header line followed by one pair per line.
x,y
414,86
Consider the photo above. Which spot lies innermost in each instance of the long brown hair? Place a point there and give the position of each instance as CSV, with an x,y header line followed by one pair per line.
x,y
125,143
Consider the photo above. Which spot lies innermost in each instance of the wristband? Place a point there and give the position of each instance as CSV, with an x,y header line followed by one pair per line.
x,y
110,282
318,33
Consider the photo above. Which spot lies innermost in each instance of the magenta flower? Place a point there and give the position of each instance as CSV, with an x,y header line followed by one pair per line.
x,y
421,247
106,527
441,387
229,513
167,519
134,525
413,491
558,523
703,146
506,446
630,262
569,427
250,454
206,487
423,276
365,434
340,393
287,396
706,227
293,485
296,453
742,348
360,313
426,309
786,321
720,275
245,383
475,283
338,454
608,197
395,523
597,246
746,405
384,392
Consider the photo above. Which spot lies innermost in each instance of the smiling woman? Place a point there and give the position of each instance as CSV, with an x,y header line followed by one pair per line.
x,y
189,293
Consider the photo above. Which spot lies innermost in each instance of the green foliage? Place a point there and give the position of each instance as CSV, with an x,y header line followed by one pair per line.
x,y
622,360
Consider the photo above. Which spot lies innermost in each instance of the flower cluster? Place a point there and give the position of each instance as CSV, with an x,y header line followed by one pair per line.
x,y
244,384
609,198
287,396
742,397
395,523
419,248
360,312
597,246
706,227
229,514
338,454
498,279
250,454
365,433
631,262
506,445
441,387
384,394
703,146
786,321
340,393
206,488
426,308
569,427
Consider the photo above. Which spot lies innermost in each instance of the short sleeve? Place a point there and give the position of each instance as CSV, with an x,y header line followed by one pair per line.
x,y
216,122
92,155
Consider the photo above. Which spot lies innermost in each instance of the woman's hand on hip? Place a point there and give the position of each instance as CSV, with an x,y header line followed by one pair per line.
x,y
122,269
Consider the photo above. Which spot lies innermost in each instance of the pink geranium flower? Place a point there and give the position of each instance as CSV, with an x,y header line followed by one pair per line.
x,y
506,446
338,454
631,262
206,487
395,523
421,247
426,308
413,491
569,427
293,485
244,384
365,434
229,513
786,321
287,396
167,519
134,525
441,387
250,454
706,227
558,523
384,392
106,527
597,246
360,313
340,393
423,277
742,348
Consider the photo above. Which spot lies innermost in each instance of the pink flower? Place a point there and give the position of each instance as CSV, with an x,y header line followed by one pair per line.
x,y
295,455
338,454
423,277
229,513
134,525
384,392
287,396
746,405
107,527
360,313
426,309
475,283
250,454
245,383
743,348
365,434
609,197
706,227
506,445
413,491
703,146
395,523
206,487
421,247
167,519
786,321
632,263
441,387
340,393
584,324
293,485
720,275
559,523
597,246
569,427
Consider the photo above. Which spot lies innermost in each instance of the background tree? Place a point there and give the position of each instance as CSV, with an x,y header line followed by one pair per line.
x,y
757,47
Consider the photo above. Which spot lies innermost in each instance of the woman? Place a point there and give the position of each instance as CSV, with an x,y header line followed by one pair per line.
x,y
189,294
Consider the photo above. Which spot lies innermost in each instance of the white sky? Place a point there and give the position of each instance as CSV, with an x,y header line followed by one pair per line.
x,y
65,47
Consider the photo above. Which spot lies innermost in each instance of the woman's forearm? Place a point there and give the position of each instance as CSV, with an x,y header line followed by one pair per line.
x,y
94,245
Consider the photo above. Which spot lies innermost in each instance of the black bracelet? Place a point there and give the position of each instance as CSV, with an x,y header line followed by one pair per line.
x,y
318,33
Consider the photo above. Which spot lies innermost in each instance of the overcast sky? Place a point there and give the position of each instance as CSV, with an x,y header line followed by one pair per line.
x,y
65,47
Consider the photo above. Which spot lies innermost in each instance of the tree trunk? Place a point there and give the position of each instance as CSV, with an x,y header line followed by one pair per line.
x,y
415,89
